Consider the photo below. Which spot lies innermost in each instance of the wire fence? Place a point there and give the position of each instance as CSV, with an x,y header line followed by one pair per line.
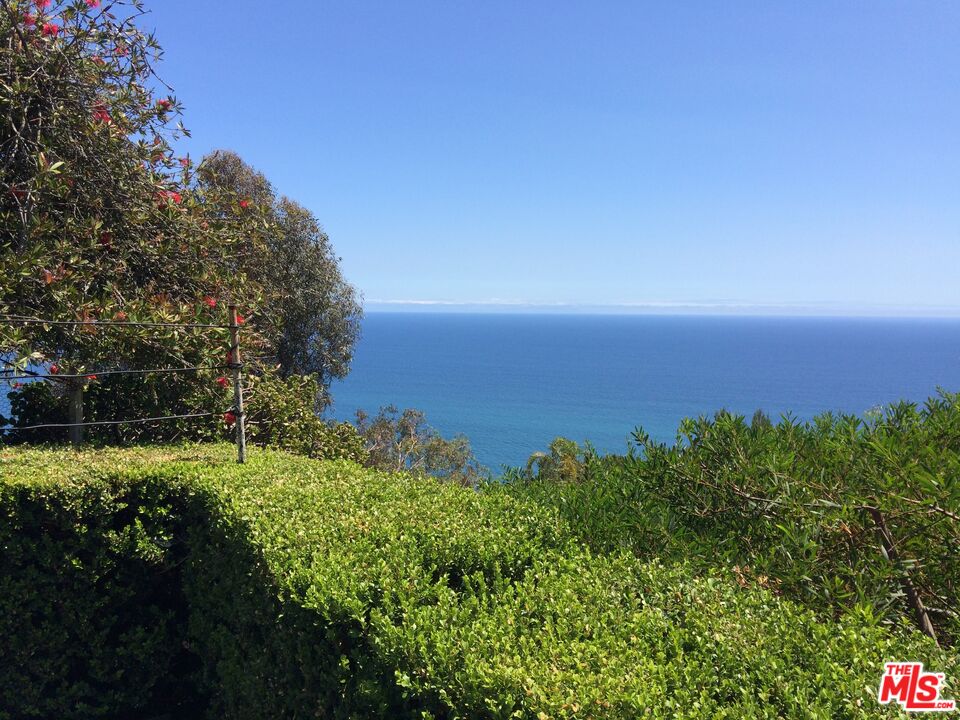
x,y
75,381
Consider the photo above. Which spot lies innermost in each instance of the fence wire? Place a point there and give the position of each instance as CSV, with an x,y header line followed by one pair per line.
x,y
98,373
111,422
20,320
29,375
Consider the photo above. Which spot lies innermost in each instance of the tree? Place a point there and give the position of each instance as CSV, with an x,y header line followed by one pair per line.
x,y
309,312
404,441
564,463
99,220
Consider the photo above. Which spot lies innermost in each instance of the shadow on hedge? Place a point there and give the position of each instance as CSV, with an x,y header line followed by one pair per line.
x,y
138,599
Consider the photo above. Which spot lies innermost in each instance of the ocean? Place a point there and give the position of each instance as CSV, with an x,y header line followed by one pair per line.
x,y
513,382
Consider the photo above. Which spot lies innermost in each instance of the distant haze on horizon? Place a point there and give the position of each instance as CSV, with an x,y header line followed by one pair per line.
x,y
824,310
702,157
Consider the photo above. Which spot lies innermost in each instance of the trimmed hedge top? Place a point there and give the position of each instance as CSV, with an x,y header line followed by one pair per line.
x,y
321,589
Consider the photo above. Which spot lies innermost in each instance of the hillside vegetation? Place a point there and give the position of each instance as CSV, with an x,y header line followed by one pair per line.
x,y
842,513
173,583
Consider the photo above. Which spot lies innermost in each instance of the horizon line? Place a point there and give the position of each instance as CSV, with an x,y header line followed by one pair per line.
x,y
719,307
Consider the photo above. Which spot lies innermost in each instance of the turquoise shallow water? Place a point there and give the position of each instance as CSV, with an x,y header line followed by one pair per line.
x,y
511,383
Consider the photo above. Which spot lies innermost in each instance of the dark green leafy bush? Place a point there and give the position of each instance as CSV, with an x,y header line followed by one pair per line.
x,y
282,413
839,513
295,588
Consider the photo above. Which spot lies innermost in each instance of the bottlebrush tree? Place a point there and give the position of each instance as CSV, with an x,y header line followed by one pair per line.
x,y
98,219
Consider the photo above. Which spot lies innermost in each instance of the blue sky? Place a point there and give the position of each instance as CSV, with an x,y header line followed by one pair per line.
x,y
725,156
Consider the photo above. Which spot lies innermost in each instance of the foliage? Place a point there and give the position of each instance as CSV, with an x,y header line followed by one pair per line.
x,y
404,441
282,413
91,608
309,313
100,221
564,463
840,513
324,589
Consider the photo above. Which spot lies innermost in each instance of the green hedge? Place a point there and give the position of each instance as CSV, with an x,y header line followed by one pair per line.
x,y
149,583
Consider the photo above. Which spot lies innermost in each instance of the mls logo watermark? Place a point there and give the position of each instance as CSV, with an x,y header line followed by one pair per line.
x,y
915,690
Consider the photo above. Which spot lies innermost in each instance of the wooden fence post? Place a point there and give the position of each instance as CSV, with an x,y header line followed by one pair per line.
x,y
76,414
237,385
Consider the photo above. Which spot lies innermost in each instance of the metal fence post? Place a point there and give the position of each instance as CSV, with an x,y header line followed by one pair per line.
x,y
76,414
237,385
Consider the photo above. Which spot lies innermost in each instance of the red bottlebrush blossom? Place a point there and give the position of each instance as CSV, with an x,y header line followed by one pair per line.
x,y
93,3
222,381
100,114
229,418
244,204
185,162
91,377
51,30
210,301
240,319
54,369
43,4
165,196
29,19
16,385
163,105
120,315
121,51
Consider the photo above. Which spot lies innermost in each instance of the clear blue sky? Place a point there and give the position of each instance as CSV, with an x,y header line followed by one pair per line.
x,y
738,154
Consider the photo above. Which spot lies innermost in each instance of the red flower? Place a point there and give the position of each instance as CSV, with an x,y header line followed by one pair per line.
x,y
91,377
106,239
120,315
15,385
244,204
185,162
43,4
163,105
222,381
93,3
50,29
210,301
165,196
100,114
29,19
121,50
229,418
54,369
240,319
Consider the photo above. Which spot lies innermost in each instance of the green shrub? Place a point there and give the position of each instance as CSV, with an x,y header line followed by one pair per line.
x,y
800,507
91,608
282,413
297,588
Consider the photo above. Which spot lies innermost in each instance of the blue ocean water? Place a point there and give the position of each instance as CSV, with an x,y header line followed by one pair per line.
x,y
513,382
